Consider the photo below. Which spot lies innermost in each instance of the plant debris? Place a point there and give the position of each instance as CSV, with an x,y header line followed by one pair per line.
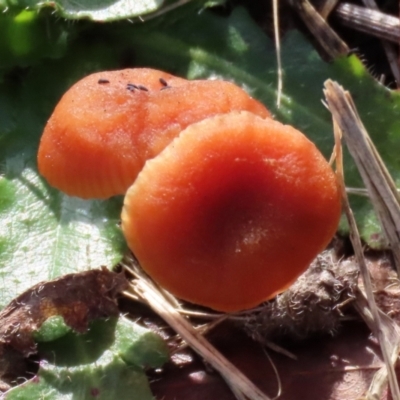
x,y
312,304
78,298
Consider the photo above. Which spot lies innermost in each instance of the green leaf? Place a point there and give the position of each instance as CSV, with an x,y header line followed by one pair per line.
x,y
106,10
236,49
98,10
27,36
44,234
100,364
51,329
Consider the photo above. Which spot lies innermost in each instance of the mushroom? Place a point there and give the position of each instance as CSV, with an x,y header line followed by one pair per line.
x,y
108,124
225,207
232,211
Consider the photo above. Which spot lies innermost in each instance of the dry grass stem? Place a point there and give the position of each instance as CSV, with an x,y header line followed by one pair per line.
x,y
278,52
381,188
327,7
391,53
201,329
360,191
201,314
374,22
276,372
347,123
357,191
369,21
276,348
323,33
216,319
145,288
380,379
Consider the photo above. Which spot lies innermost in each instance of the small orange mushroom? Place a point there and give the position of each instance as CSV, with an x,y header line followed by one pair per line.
x,y
108,124
232,211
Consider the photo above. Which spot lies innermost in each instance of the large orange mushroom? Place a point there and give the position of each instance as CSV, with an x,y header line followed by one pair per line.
x,y
108,124
232,211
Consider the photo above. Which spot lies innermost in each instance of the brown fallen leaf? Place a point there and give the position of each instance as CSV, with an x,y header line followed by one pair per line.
x,y
79,298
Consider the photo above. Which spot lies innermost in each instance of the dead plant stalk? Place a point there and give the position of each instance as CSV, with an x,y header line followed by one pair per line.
x,y
347,122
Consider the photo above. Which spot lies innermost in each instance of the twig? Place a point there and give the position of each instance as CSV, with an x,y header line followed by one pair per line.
x,y
390,51
327,7
326,36
369,21
389,48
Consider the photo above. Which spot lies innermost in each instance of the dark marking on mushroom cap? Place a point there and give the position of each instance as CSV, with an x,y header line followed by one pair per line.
x,y
141,87
163,82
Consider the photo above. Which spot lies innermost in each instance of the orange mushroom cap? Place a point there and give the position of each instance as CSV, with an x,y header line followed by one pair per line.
x,y
108,124
232,211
